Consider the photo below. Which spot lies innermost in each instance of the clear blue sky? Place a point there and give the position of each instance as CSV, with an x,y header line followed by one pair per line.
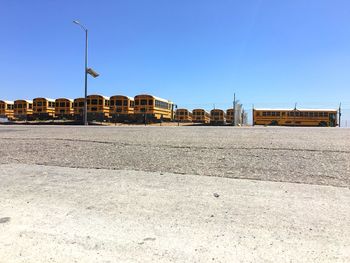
x,y
194,52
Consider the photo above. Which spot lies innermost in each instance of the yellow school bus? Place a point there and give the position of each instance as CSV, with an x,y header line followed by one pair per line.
x,y
43,108
217,117
78,108
64,108
149,108
97,107
23,109
121,108
183,115
295,117
6,109
229,116
200,116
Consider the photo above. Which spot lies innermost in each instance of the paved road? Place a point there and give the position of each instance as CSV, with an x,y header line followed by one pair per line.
x,y
54,214
146,194
303,155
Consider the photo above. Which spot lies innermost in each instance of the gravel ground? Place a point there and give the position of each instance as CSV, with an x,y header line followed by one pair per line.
x,y
302,155
57,214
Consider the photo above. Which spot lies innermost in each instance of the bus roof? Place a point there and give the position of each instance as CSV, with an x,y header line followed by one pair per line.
x,y
98,95
28,101
154,97
7,101
271,109
200,110
64,99
42,98
129,98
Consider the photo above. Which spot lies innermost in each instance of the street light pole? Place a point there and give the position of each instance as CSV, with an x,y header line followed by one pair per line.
x,y
234,110
86,68
85,103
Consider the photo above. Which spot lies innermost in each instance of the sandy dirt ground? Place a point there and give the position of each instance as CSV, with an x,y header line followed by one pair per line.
x,y
174,194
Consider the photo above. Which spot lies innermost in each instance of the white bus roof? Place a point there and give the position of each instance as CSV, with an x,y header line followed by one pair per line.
x,y
65,99
157,98
291,109
105,97
28,101
128,97
48,99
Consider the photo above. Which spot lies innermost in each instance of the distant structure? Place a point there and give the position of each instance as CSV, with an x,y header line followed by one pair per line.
x,y
244,117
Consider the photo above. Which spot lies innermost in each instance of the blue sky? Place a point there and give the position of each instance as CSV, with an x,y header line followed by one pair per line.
x,y
193,52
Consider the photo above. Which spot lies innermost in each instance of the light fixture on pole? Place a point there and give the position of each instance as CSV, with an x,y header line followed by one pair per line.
x,y
86,70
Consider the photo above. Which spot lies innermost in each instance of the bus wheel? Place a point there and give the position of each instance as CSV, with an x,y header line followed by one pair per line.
x,y
274,123
322,124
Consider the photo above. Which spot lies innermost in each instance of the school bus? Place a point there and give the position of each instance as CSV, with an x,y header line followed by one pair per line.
x,y
64,108
43,108
149,108
97,107
23,109
200,116
78,108
295,117
6,109
217,117
229,116
183,115
121,108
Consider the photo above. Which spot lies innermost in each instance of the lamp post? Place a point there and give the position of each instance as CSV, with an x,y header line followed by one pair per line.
x,y
86,68
234,110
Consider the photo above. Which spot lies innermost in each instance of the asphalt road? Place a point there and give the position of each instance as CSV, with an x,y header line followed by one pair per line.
x,y
174,194
302,155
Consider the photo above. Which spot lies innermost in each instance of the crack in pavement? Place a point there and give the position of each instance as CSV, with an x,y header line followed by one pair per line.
x,y
179,147
182,173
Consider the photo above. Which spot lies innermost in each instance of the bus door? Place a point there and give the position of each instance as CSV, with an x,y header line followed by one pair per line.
x,y
332,119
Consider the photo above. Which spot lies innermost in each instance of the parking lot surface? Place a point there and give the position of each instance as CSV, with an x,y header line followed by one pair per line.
x,y
174,194
302,155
